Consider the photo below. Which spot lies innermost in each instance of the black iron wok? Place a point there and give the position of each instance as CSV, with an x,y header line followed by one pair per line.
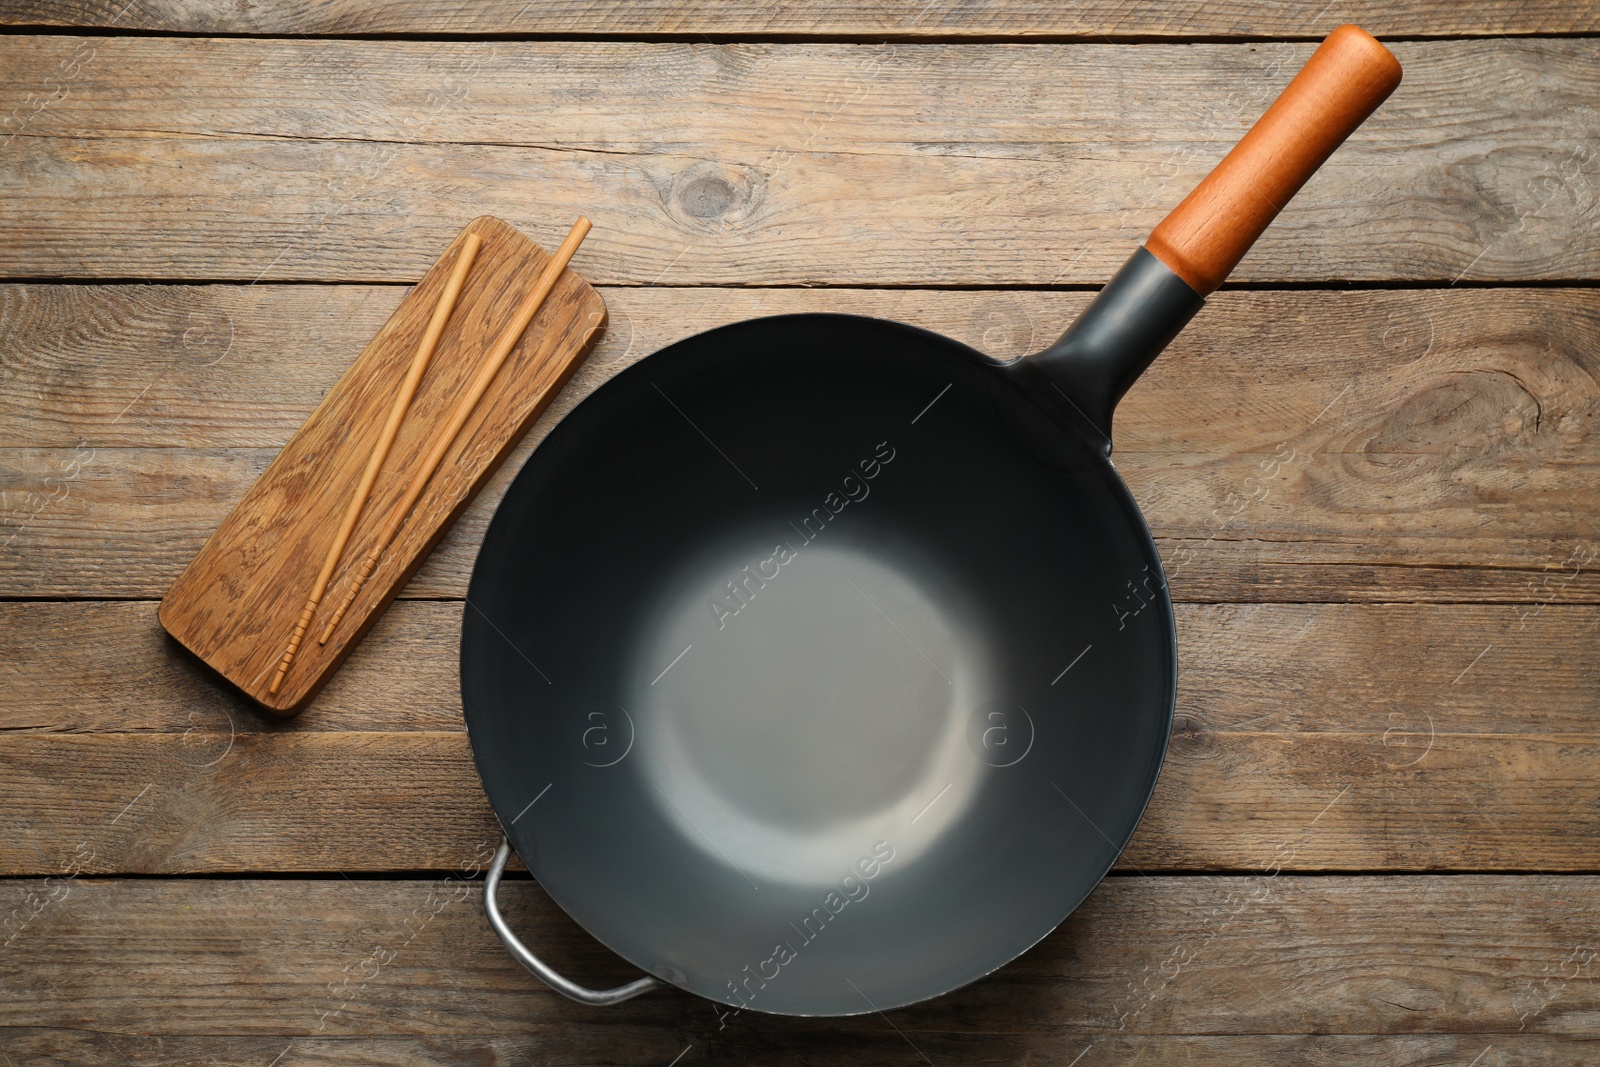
x,y
819,664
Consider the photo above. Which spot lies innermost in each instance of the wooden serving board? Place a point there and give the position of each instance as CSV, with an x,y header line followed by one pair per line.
x,y
237,602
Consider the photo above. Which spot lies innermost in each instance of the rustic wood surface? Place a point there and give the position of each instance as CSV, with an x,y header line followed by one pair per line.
x,y
793,164
1368,464
239,598
1265,446
1328,737
1306,19
1481,955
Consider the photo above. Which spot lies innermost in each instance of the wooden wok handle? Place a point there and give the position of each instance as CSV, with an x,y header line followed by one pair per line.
x,y
1345,80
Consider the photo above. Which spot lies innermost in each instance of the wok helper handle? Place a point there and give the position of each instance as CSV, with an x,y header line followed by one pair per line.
x,y
1344,81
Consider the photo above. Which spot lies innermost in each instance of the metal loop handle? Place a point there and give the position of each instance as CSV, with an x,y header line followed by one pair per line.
x,y
540,969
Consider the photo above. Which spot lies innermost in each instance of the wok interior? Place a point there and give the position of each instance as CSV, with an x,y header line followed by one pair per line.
x,y
803,670
831,709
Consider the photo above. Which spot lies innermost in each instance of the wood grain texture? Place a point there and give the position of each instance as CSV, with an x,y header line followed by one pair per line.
x,y
124,522
1144,957
1366,447
1250,798
1372,445
1087,18
1308,736
775,1043
1404,672
817,164
236,602
85,667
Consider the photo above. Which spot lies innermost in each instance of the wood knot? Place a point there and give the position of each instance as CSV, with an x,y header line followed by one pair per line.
x,y
1460,415
710,197
1191,738
707,197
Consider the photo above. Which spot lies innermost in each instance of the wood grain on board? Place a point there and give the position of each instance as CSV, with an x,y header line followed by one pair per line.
x,y
911,18
1407,797
1404,672
1508,959
1310,736
775,1040
124,522
758,164
237,601
1368,445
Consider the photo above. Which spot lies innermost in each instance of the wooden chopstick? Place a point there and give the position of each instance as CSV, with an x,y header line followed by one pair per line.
x,y
380,451
464,409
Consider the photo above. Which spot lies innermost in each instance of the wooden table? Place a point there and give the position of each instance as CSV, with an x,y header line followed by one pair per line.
x,y
1371,464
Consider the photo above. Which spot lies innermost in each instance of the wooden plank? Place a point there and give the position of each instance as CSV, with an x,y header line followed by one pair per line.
x,y
1406,673
238,600
910,18
230,366
1373,445
88,666
124,522
814,164
764,1040
1242,799
324,959
1442,737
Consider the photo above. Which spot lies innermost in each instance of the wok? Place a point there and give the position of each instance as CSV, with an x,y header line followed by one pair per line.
x,y
819,664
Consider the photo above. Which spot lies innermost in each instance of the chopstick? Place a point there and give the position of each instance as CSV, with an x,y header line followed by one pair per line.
x,y
463,411
380,450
